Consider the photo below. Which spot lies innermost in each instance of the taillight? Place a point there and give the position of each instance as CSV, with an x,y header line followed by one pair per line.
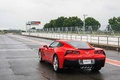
x,y
72,52
99,52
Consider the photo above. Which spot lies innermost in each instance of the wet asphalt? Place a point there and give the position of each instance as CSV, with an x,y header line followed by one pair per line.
x,y
19,61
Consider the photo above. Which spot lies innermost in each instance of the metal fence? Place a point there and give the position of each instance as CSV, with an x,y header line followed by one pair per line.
x,y
97,39
75,30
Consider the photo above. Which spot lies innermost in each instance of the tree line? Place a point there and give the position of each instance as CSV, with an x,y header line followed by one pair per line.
x,y
115,23
75,21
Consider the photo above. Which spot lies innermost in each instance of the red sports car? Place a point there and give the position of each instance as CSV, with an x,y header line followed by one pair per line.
x,y
69,53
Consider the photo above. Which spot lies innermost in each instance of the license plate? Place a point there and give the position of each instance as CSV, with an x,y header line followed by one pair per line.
x,y
87,62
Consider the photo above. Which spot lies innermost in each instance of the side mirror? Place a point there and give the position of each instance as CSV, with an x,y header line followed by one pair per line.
x,y
45,46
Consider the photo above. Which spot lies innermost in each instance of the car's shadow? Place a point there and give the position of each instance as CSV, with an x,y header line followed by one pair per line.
x,y
69,73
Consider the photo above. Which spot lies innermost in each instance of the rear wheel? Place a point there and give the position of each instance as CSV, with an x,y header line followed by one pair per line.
x,y
56,63
96,68
40,56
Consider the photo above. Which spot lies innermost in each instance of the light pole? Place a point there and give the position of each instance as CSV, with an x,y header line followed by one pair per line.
x,y
84,23
26,28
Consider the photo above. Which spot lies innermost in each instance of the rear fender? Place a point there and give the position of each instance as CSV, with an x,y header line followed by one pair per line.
x,y
60,53
60,58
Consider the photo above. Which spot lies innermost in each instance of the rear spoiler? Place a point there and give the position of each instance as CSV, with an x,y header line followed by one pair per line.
x,y
86,48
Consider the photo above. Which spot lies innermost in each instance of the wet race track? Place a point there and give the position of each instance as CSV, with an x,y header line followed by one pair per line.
x,y
19,61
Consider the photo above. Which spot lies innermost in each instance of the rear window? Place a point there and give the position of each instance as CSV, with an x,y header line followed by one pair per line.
x,y
56,44
78,44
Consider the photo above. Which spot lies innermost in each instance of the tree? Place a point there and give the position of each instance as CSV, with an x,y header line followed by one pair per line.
x,y
92,22
115,23
33,28
46,25
55,23
60,21
51,24
73,22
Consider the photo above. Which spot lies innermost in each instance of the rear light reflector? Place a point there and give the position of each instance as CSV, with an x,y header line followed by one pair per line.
x,y
72,52
99,52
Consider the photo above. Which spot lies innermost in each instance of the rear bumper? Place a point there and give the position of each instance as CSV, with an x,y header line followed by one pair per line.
x,y
75,63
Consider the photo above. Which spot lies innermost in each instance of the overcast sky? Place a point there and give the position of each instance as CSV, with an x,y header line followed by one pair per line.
x,y
15,13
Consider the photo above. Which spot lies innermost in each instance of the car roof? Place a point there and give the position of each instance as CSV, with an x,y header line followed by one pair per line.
x,y
60,40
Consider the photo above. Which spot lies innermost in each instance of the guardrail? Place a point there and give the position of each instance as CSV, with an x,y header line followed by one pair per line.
x,y
113,41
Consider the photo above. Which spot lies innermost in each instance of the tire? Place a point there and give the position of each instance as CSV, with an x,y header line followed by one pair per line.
x,y
96,68
40,56
56,64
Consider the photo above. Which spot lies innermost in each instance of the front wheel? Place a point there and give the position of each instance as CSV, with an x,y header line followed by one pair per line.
x,y
40,56
56,63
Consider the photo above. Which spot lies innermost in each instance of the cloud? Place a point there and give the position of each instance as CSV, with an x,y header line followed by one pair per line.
x,y
15,13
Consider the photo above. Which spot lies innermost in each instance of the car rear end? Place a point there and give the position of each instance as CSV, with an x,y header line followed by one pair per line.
x,y
84,58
